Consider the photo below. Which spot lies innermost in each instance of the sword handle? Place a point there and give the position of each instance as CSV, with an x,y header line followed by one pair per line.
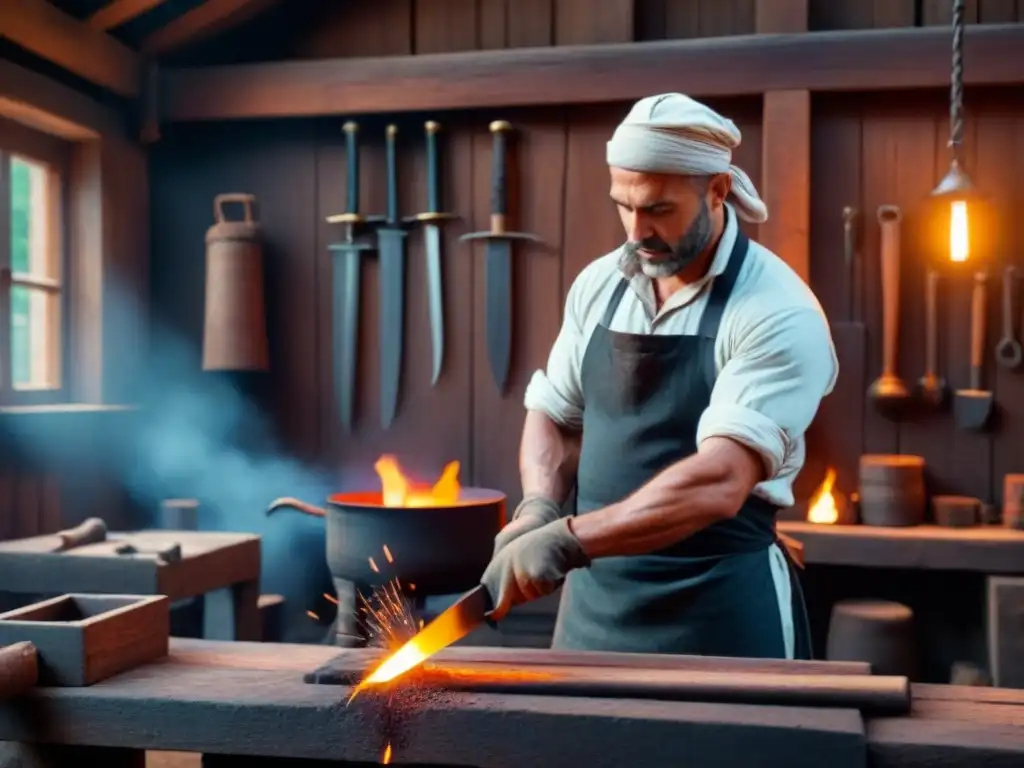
x,y
392,178
351,167
433,183
499,189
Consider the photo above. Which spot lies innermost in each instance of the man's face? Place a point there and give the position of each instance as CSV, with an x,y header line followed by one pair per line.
x,y
669,220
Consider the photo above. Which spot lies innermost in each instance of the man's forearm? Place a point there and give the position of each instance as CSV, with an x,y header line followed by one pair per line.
x,y
548,457
683,499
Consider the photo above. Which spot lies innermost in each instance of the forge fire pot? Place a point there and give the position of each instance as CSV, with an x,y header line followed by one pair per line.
x,y
235,326
423,551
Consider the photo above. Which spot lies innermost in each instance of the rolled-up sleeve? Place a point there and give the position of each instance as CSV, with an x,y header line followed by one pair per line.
x,y
557,391
769,390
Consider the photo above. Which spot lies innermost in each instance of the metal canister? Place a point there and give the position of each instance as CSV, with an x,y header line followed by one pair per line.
x,y
235,327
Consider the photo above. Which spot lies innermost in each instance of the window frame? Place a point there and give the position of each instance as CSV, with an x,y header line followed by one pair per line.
x,y
57,154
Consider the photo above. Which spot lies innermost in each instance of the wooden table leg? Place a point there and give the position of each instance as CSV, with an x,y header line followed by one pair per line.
x,y
233,613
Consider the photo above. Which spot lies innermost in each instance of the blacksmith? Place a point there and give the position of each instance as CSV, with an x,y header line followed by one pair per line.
x,y
690,362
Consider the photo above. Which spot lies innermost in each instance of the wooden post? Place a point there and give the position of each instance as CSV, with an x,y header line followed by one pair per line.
x,y
786,150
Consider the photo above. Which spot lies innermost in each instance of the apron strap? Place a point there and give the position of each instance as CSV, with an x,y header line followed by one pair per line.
x,y
721,288
794,552
613,303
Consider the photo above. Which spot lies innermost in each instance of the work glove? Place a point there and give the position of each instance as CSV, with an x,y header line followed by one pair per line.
x,y
533,511
532,565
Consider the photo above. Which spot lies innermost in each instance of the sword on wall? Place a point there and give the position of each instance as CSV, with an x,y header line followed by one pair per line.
x,y
431,220
498,290
346,258
391,247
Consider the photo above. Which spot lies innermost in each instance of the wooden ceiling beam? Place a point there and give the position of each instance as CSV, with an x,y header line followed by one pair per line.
x,y
747,65
202,21
118,12
42,29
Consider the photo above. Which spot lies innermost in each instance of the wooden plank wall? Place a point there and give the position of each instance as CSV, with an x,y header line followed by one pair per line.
x,y
297,170
865,151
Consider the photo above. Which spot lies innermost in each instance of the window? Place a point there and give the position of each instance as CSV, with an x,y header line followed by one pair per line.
x,y
31,272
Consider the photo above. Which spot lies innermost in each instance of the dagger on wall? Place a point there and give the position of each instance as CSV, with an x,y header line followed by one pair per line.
x,y
498,281
431,219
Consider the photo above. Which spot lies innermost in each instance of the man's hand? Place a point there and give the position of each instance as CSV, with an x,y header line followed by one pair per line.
x,y
532,565
533,512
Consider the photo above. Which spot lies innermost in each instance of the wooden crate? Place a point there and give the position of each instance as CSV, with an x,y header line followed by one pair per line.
x,y
82,639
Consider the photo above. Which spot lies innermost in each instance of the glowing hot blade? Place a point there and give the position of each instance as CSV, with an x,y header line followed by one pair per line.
x,y
452,625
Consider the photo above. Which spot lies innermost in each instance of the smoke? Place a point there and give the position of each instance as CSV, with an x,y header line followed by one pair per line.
x,y
198,435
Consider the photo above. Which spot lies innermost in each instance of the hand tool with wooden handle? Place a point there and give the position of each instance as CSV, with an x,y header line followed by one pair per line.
x,y
888,391
849,259
90,531
165,553
19,669
972,407
931,386
1008,350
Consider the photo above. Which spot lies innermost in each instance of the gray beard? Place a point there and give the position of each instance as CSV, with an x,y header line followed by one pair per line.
x,y
670,262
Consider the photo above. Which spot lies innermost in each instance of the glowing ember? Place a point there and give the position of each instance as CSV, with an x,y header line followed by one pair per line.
x,y
387,755
399,491
313,616
823,507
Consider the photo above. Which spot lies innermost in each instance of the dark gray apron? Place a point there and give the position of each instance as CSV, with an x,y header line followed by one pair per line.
x,y
713,593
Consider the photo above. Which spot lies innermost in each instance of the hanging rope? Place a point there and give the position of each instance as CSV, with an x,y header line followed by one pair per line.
x,y
956,91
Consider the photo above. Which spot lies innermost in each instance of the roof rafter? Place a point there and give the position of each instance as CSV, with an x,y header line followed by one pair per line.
x,y
202,21
49,33
118,12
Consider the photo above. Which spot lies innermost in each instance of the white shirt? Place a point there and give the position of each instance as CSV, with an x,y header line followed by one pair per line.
x,y
774,356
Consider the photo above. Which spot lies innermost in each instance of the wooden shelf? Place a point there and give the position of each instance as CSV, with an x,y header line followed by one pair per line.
x,y
855,60
984,549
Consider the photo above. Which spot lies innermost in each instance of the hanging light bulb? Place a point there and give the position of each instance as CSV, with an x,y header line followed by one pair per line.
x,y
956,188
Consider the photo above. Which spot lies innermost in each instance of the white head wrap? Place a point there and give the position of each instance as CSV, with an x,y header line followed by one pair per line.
x,y
672,133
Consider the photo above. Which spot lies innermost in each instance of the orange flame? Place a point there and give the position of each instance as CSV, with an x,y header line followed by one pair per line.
x,y
386,759
399,491
823,507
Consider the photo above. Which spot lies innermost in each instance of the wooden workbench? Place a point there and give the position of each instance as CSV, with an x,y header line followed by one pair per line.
x,y
249,699
223,568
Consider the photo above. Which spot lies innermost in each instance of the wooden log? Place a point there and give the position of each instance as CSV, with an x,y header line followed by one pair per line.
x,y
19,669
873,694
892,491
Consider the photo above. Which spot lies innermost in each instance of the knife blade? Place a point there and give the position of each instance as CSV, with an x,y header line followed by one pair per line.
x,y
432,248
453,624
391,247
435,297
498,309
345,291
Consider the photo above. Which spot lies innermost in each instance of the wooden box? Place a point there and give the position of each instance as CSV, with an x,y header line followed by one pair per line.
x,y
82,639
